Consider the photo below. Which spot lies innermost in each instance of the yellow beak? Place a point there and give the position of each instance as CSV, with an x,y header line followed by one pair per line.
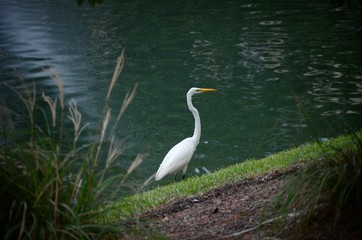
x,y
206,89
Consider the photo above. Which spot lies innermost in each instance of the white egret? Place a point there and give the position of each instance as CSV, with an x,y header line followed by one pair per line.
x,y
180,155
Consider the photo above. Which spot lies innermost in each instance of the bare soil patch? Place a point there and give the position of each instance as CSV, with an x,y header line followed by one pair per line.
x,y
236,210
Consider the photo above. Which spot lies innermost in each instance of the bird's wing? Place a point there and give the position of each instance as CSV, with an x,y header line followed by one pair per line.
x,y
178,157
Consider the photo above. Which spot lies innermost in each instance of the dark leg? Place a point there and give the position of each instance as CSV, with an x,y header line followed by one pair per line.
x,y
183,176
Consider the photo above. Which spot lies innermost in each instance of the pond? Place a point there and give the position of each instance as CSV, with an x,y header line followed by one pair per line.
x,y
286,73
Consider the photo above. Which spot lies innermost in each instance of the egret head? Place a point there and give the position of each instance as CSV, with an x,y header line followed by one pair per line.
x,y
195,90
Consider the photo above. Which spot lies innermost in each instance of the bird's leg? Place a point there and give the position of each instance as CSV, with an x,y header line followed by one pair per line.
x,y
184,172
176,180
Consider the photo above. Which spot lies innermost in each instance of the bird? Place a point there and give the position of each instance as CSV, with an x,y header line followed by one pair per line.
x,y
180,155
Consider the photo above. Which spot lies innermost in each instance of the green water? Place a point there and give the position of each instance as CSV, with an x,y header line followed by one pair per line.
x,y
286,73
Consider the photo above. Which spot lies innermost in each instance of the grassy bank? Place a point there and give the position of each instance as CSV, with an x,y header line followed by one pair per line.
x,y
198,185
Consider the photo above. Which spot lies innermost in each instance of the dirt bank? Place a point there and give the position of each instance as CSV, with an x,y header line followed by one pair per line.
x,y
236,211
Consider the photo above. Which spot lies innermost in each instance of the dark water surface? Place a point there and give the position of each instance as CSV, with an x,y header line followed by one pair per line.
x,y
262,56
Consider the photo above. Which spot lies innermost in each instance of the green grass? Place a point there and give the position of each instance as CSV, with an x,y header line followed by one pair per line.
x,y
323,188
50,183
197,185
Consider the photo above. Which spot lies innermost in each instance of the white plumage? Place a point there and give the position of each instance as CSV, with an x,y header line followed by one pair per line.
x,y
180,155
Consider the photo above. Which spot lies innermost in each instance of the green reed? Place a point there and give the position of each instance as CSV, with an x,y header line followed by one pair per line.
x,y
52,187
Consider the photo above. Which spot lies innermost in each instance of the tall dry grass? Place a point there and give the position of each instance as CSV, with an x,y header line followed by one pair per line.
x,y
52,187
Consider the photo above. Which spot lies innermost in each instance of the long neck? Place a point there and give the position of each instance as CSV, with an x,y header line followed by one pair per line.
x,y
197,131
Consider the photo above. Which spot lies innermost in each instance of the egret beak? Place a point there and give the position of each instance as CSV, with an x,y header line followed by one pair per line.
x,y
206,90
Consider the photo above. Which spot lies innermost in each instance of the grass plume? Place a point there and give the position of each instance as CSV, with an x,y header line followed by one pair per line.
x,y
58,81
117,71
76,117
53,107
